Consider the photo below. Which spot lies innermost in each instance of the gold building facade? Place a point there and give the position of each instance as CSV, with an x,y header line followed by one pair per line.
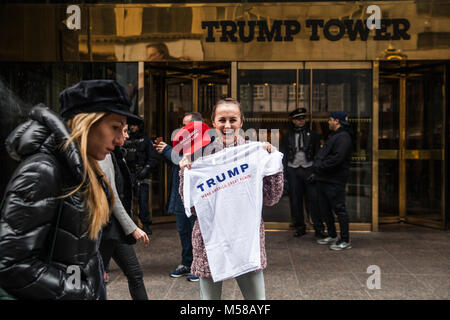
x,y
274,57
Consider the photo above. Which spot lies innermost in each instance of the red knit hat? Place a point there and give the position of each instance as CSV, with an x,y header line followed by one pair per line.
x,y
191,138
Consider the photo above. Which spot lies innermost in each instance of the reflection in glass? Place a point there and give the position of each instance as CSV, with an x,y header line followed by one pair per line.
x,y
173,89
267,91
23,85
424,189
389,112
424,109
388,188
349,90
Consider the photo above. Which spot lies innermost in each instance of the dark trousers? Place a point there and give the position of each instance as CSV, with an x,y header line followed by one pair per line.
x,y
298,189
332,199
143,196
184,227
125,257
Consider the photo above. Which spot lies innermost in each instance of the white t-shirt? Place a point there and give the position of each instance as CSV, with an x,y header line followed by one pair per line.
x,y
226,189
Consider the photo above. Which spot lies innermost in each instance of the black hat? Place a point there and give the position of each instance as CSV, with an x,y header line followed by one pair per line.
x,y
300,112
341,116
96,96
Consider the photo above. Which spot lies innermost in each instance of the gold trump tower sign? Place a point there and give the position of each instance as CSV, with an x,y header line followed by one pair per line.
x,y
285,30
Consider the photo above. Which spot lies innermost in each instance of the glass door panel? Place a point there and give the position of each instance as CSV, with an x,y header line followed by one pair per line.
x,y
212,88
267,96
425,130
411,144
349,90
173,90
268,92
388,143
179,100
424,189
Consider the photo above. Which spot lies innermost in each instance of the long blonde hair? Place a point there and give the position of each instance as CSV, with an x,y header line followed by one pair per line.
x,y
97,201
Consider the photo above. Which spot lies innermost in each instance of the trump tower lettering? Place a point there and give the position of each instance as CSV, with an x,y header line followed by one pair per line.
x,y
226,190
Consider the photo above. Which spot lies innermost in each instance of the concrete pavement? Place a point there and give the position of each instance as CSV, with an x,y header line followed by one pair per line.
x,y
414,263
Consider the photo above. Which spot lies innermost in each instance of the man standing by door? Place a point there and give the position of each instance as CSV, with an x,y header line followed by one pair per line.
x,y
300,146
142,160
331,171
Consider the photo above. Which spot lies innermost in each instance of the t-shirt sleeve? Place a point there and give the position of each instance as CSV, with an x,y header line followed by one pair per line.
x,y
187,192
273,162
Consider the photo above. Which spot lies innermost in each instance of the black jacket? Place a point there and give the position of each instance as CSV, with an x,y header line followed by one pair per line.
x,y
175,204
141,156
28,217
332,163
311,145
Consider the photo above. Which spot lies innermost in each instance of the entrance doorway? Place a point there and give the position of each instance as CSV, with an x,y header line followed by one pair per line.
x,y
171,90
269,91
412,132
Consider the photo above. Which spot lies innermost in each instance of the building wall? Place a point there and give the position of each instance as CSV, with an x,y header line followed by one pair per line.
x,y
120,32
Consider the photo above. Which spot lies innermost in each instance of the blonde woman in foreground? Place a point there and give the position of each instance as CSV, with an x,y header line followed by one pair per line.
x,y
57,200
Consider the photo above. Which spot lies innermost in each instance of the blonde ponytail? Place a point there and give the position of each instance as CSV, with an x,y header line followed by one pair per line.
x,y
97,201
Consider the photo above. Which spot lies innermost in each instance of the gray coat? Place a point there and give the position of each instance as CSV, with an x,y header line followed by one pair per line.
x,y
118,210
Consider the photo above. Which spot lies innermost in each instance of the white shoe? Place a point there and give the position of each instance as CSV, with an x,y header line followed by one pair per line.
x,y
327,240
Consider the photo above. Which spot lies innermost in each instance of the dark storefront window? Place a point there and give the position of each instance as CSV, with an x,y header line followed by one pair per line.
x,y
268,95
23,85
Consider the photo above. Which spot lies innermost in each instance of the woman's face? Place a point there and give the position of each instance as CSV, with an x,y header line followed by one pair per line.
x,y
227,121
105,135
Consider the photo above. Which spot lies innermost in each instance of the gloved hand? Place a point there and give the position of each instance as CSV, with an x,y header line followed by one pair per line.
x,y
311,178
143,174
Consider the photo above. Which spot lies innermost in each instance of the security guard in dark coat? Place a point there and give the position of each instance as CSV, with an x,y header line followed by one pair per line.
x,y
300,146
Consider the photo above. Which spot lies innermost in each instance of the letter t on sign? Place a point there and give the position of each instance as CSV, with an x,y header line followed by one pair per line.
x,y
210,25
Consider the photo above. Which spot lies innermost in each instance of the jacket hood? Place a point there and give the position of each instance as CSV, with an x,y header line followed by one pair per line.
x,y
44,132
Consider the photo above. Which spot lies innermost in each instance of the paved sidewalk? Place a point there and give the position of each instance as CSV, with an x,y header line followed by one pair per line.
x,y
414,264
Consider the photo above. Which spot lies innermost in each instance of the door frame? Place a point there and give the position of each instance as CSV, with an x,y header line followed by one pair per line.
x,y
314,65
402,154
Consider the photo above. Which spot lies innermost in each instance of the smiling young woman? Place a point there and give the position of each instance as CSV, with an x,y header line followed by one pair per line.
x,y
227,119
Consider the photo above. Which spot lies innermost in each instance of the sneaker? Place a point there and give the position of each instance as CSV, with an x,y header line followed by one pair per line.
x,y
320,234
192,278
327,240
180,271
341,245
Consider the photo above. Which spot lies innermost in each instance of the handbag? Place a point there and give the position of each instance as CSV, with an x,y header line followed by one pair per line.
x,y
4,295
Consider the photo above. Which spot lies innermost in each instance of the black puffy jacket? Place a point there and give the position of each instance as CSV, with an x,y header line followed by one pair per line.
x,y
29,212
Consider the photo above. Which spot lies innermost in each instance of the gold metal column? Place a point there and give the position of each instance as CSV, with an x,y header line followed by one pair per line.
x,y
297,88
234,68
444,147
141,91
402,150
375,137
195,93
